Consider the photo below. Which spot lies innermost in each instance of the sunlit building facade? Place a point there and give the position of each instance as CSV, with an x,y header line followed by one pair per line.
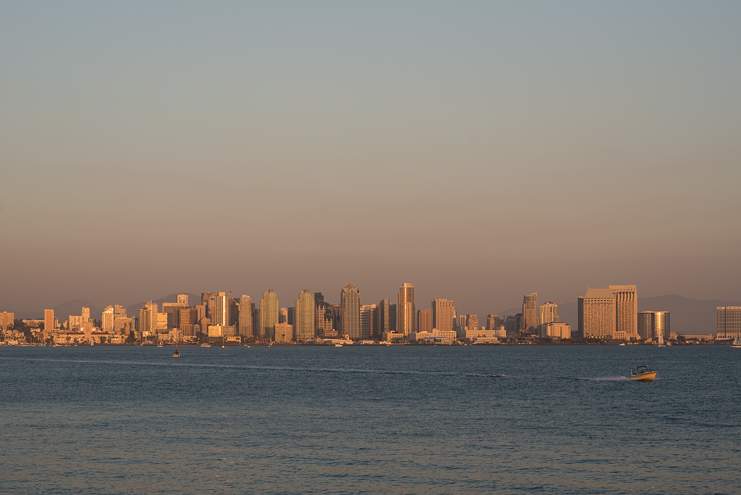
x,y
443,314
406,310
626,311
728,322
350,307
269,309
530,313
304,316
597,314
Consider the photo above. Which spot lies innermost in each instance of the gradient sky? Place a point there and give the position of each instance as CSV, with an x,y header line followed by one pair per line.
x,y
478,150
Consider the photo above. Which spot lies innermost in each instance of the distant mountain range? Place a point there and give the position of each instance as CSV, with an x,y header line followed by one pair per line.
x,y
687,316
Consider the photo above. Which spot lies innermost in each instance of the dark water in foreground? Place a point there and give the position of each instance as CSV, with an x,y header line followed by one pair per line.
x,y
369,419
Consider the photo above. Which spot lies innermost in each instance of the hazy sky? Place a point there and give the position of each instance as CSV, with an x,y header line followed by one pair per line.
x,y
478,150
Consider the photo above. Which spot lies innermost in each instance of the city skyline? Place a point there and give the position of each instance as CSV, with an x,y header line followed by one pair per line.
x,y
483,151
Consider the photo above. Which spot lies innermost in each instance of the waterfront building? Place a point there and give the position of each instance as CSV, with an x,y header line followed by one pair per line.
x,y
7,320
350,305
283,332
107,319
556,329
49,321
305,314
368,321
424,320
530,313
386,317
245,317
405,310
597,314
653,323
148,316
548,314
626,312
269,308
728,322
323,325
443,314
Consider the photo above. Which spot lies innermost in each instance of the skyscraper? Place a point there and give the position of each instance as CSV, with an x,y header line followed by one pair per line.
x,y
442,314
626,311
597,314
107,319
245,317
386,317
728,322
148,316
405,310
548,314
221,314
268,313
653,323
530,312
424,320
305,313
49,323
368,321
322,316
350,304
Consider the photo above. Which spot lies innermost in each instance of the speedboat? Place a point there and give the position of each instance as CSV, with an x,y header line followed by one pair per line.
x,y
642,374
176,354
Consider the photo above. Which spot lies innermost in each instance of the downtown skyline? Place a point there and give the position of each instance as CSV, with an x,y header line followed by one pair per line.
x,y
483,151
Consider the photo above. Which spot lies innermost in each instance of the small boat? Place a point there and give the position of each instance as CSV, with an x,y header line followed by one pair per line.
x,y
205,344
338,345
642,374
736,344
176,354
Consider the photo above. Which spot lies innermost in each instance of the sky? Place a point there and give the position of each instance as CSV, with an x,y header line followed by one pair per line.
x,y
478,150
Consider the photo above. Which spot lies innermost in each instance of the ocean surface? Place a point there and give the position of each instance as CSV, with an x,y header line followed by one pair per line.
x,y
399,419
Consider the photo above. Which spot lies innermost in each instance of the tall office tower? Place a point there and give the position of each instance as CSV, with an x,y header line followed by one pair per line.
x,y
107,319
492,322
511,326
221,314
208,301
530,313
245,317
443,314
49,321
305,316
597,314
187,317
119,311
85,314
626,311
283,315
472,322
268,313
291,315
424,320
385,319
350,304
336,318
148,316
653,323
406,311
728,322
182,299
368,321
548,314
322,316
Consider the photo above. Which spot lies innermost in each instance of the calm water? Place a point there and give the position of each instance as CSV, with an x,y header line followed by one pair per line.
x,y
369,419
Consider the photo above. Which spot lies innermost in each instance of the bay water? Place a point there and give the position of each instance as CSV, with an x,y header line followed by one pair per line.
x,y
369,419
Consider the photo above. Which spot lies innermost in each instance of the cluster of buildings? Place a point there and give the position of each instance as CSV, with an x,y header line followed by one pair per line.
x,y
603,313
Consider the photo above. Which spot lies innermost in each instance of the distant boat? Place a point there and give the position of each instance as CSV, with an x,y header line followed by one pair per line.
x,y
736,344
642,374
160,344
661,340
176,354
205,344
338,345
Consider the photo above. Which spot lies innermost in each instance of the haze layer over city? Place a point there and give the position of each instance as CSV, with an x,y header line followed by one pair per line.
x,y
481,150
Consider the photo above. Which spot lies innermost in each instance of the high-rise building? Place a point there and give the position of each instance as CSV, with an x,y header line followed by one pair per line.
x,y
350,304
443,314
368,321
728,322
386,317
221,315
424,320
245,317
626,312
548,314
405,310
209,302
653,323
49,326
268,313
597,314
7,320
148,319
305,316
530,313
107,319
323,325
85,314
492,322
182,299
472,322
